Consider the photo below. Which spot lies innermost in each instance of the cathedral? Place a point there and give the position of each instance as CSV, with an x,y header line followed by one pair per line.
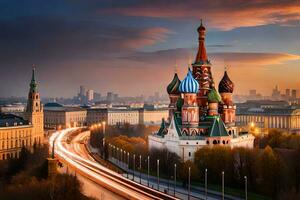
x,y
199,114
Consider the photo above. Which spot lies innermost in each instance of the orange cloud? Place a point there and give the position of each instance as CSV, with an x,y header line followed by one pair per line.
x,y
222,14
147,37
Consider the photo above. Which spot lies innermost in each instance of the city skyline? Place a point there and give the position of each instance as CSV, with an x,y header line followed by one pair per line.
x,y
131,47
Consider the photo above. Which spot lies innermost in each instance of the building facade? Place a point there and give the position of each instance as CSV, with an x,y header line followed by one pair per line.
x,y
264,119
58,116
16,132
199,115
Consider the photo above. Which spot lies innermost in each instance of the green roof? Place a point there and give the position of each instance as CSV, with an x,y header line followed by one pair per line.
x,y
162,130
218,128
213,96
179,103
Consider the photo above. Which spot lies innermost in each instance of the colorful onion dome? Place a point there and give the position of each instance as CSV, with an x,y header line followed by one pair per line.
x,y
213,96
226,85
173,87
189,84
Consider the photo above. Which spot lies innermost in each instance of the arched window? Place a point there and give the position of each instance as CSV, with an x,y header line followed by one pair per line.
x,y
207,142
223,141
184,132
215,142
229,132
190,154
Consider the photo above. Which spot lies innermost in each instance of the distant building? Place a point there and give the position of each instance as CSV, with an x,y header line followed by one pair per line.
x,y
16,109
82,90
90,95
294,94
264,119
58,116
124,115
16,132
97,96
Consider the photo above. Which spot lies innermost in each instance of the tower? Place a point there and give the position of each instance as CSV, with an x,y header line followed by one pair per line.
x,y
174,94
227,108
202,71
34,111
190,110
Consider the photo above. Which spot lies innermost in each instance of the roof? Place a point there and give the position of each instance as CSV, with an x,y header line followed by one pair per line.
x,y
189,84
226,85
218,128
53,104
64,109
266,111
173,87
11,120
213,96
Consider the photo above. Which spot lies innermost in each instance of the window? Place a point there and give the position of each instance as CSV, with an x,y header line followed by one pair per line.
x,y
189,154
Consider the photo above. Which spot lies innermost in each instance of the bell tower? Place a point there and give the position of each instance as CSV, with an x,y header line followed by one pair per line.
x,y
34,111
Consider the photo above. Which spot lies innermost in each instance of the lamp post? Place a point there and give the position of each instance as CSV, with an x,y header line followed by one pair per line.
x,y
157,174
121,155
140,169
175,179
223,185
206,184
148,159
133,165
189,191
128,164
246,189
117,155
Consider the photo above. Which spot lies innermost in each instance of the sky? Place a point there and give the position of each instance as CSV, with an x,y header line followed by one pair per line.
x,y
131,47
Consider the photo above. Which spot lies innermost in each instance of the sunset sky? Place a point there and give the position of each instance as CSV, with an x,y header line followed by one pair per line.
x,y
132,47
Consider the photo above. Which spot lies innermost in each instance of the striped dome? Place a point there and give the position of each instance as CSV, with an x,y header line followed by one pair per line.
x,y
189,84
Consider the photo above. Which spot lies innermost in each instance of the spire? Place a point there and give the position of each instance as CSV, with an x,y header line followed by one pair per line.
x,y
201,55
33,84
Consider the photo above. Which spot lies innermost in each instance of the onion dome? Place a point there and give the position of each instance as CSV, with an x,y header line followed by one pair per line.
x,y
226,85
213,96
189,84
173,87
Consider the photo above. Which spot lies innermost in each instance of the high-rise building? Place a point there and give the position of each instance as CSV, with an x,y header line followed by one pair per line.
x,y
82,90
97,96
110,96
294,94
90,95
287,93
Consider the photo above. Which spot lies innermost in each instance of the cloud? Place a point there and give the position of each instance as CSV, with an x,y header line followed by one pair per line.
x,y
45,38
236,59
222,14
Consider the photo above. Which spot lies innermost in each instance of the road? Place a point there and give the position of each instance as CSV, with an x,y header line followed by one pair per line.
x,y
72,152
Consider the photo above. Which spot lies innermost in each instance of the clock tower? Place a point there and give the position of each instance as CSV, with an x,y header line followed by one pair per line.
x,y
34,112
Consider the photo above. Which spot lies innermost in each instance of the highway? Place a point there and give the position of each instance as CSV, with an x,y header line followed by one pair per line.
x,y
69,150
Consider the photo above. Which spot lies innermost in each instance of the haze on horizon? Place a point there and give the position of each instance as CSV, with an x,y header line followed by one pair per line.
x,y
132,47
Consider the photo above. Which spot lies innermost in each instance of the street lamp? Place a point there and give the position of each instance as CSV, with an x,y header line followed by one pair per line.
x,y
128,164
246,189
206,184
222,185
148,159
121,157
189,183
158,174
140,169
175,179
133,165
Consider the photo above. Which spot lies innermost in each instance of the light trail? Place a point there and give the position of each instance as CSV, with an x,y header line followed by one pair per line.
x,y
100,174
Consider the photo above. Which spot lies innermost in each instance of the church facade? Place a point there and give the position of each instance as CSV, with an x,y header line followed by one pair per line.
x,y
199,114
17,132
